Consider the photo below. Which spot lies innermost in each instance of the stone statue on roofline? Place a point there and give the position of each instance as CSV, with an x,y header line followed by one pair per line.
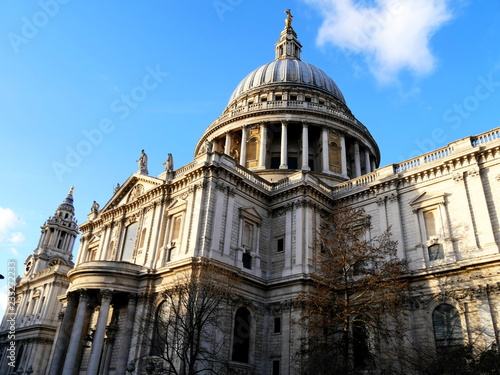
x,y
143,163
169,163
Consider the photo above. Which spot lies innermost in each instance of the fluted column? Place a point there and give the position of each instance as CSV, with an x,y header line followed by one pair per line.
x,y
325,150
357,160
305,146
243,149
121,363
367,162
95,355
284,145
76,334
343,155
263,145
227,146
63,335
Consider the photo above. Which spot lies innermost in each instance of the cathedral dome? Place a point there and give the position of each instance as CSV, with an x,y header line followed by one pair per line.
x,y
288,116
288,71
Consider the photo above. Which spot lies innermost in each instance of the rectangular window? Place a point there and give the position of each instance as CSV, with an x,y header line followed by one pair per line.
x,y
277,325
436,252
276,367
247,261
280,245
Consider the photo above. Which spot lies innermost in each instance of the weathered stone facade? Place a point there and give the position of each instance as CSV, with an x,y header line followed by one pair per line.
x,y
283,151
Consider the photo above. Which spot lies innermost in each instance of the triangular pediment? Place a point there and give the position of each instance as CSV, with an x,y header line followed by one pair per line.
x,y
426,199
250,213
135,186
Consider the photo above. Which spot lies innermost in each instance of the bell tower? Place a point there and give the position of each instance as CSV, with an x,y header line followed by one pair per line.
x,y
57,239
37,309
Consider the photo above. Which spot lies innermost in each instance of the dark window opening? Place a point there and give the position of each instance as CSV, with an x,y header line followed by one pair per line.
x,y
241,335
308,99
276,367
293,97
447,328
263,99
277,325
247,261
293,163
436,252
278,97
275,162
360,345
281,245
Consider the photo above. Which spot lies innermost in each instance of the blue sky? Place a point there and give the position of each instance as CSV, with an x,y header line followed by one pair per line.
x,y
85,85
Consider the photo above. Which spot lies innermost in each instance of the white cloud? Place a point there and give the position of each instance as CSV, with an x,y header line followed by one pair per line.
x,y
16,237
392,35
9,221
14,251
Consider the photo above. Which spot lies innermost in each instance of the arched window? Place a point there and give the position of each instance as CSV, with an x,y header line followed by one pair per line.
x,y
158,343
129,240
241,335
447,327
360,344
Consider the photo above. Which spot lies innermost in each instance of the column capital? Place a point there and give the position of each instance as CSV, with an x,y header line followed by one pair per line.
x,y
82,293
305,123
284,122
106,295
133,298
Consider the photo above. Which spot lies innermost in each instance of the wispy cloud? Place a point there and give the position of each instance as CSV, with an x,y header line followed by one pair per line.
x,y
392,35
8,222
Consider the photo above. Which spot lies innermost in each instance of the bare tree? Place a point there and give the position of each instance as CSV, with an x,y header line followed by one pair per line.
x,y
356,298
188,330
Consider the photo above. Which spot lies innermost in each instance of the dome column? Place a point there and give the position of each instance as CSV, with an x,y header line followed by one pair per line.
x,y
324,147
284,145
243,148
263,145
367,162
227,146
357,159
344,155
305,146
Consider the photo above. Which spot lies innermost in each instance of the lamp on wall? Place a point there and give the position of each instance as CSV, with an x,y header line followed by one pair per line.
x,y
87,340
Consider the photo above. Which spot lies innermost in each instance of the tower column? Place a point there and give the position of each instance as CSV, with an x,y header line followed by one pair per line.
x,y
263,145
357,159
227,146
121,363
76,334
343,155
95,355
305,146
367,162
243,149
325,151
284,145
